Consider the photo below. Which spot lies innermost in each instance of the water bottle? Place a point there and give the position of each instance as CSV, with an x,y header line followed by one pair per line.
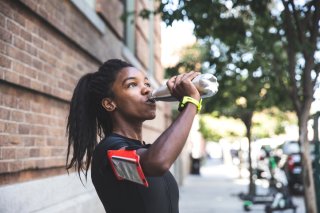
x,y
206,84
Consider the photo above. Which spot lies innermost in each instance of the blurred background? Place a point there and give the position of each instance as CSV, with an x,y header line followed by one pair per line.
x,y
254,146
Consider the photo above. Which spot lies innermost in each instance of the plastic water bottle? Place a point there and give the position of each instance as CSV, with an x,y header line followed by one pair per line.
x,y
206,84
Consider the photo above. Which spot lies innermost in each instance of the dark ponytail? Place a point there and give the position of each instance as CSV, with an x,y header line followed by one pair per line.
x,y
87,118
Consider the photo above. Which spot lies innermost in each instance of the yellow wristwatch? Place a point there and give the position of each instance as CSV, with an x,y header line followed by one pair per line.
x,y
187,99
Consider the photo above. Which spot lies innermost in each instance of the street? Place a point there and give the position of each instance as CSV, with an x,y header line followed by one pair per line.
x,y
216,189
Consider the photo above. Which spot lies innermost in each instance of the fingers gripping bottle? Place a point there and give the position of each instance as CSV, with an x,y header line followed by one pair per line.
x,y
206,84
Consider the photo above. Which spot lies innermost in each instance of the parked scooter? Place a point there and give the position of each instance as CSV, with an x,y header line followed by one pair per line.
x,y
278,196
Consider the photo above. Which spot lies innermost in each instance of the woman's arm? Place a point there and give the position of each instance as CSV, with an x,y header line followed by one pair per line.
x,y
164,151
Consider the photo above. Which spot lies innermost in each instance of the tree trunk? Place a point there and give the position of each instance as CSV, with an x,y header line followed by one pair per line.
x,y
247,120
307,171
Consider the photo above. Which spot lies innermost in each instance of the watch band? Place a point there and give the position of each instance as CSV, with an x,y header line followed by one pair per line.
x,y
187,99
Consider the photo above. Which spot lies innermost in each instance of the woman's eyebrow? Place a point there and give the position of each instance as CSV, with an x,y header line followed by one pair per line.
x,y
126,79
132,78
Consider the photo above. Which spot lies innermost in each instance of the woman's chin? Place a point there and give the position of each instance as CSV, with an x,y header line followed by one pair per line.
x,y
152,116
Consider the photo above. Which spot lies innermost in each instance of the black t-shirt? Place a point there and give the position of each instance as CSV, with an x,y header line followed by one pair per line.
x,y
122,196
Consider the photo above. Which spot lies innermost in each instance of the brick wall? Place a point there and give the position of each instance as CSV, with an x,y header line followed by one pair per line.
x,y
32,130
39,68
45,46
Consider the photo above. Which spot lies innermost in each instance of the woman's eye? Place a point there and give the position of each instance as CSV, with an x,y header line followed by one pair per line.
x,y
132,85
148,84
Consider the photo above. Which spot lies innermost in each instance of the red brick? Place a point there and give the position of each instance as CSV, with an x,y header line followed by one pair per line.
x,y
5,10
11,128
11,77
19,43
40,164
24,129
4,114
10,140
23,103
40,141
19,18
30,49
9,101
2,125
2,20
26,58
18,67
17,116
23,81
43,12
47,89
34,152
2,71
22,153
47,58
58,152
36,130
43,77
25,35
32,27
13,27
5,62
37,42
15,166
8,153
43,34
37,64
5,35
35,107
29,163
55,162
3,47
36,86
30,72
45,152
14,52
29,141
4,167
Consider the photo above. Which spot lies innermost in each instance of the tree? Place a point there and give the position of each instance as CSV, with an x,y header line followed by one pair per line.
x,y
244,87
282,38
244,80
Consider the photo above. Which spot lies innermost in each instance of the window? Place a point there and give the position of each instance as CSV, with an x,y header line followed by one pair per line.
x,y
130,25
87,8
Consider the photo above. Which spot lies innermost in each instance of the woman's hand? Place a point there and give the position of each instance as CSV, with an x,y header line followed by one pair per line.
x,y
181,85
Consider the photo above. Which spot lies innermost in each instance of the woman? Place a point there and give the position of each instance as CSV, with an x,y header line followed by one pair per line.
x,y
113,103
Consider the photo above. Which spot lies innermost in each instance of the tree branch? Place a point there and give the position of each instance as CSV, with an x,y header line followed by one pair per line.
x,y
291,52
300,28
314,31
317,71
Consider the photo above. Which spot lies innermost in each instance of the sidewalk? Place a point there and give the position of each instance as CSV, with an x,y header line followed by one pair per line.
x,y
216,191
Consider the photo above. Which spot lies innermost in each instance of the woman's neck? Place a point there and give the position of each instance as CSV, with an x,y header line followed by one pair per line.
x,y
129,130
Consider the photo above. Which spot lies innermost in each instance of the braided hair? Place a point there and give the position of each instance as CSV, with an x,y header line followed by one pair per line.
x,y
87,118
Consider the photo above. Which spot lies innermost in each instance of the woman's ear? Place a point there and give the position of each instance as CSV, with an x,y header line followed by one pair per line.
x,y
108,104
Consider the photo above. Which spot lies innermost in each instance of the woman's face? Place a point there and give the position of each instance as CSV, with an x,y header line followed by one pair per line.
x,y
131,89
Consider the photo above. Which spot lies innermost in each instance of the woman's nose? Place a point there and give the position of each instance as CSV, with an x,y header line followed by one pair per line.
x,y
146,90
